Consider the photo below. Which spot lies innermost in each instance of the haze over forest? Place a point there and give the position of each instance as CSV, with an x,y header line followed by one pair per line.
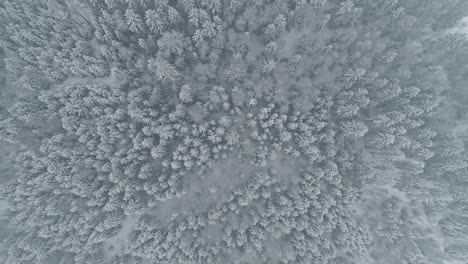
x,y
233,131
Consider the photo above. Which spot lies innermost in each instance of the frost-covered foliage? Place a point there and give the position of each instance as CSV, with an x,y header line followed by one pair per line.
x,y
233,131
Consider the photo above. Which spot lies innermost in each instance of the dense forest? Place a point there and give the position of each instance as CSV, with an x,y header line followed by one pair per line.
x,y
233,131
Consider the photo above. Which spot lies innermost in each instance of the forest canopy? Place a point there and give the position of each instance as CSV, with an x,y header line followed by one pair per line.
x,y
233,131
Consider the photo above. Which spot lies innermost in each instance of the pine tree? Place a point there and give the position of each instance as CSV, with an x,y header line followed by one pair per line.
x,y
172,42
155,20
354,128
162,69
134,21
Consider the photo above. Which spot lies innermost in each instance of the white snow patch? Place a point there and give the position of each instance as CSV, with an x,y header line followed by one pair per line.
x,y
225,175
116,244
